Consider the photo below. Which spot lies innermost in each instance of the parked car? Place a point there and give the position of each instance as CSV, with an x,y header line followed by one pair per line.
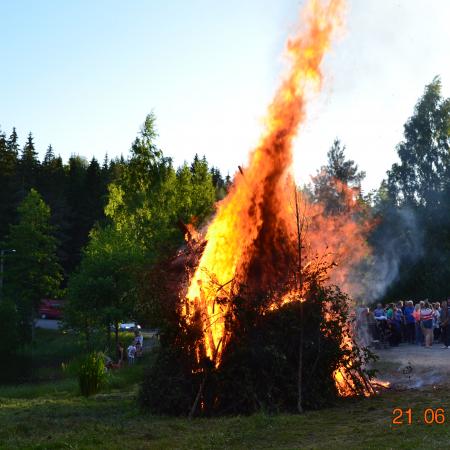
x,y
51,309
129,326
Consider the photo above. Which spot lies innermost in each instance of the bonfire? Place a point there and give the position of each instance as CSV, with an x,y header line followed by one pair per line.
x,y
269,256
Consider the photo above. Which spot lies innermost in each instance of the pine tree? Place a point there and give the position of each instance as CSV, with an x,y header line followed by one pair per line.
x,y
29,166
8,182
219,183
330,185
49,156
13,143
203,192
96,190
52,186
79,224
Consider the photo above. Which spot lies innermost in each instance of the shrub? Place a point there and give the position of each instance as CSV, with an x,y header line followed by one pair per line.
x,y
169,387
260,363
9,331
91,374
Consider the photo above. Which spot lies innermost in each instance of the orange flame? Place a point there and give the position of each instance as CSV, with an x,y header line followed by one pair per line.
x,y
339,237
256,216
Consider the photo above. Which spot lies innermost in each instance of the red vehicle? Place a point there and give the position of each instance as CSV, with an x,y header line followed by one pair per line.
x,y
51,309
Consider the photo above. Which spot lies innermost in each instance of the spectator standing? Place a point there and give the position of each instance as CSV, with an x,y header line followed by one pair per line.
x,y
131,353
436,322
426,319
445,323
362,326
138,338
396,321
401,307
418,329
371,325
380,325
379,312
138,350
410,322
390,311
120,354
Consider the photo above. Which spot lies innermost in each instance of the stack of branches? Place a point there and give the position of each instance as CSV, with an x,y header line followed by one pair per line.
x,y
260,363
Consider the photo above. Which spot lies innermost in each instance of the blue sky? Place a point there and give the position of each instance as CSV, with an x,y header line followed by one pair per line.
x,y
82,76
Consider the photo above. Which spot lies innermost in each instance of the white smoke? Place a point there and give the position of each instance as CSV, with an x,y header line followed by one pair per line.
x,y
401,243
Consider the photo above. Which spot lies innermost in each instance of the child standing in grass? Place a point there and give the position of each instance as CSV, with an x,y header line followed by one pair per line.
x,y
131,353
120,354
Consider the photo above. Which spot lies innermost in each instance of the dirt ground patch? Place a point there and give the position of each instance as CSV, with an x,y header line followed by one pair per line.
x,y
412,366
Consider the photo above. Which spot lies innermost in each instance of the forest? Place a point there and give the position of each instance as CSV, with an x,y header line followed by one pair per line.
x,y
91,232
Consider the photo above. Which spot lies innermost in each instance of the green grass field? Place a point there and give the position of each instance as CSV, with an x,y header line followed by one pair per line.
x,y
42,360
54,416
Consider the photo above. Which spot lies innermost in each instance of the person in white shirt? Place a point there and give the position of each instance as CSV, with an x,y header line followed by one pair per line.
x,y
131,353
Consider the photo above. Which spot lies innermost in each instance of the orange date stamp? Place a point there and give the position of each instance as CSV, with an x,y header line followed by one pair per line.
x,y
429,416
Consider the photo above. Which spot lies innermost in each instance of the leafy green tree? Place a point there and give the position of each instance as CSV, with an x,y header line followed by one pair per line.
x,y
184,193
142,200
148,198
101,293
424,167
34,271
412,206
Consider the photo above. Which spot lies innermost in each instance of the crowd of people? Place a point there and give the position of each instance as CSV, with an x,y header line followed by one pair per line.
x,y
133,352
424,323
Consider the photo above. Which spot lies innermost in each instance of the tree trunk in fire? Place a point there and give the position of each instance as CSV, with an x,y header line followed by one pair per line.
x,y
300,283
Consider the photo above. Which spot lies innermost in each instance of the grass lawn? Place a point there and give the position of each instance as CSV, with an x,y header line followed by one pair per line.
x,y
43,360
54,416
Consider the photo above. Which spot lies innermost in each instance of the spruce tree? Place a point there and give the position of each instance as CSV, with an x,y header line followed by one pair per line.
x,y
13,143
331,184
8,182
29,166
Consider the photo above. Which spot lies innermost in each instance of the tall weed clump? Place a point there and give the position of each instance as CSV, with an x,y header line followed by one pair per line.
x,y
91,374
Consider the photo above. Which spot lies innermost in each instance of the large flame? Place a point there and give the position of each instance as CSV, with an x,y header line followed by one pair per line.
x,y
256,217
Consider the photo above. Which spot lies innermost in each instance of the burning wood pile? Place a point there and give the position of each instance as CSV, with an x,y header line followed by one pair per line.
x,y
254,322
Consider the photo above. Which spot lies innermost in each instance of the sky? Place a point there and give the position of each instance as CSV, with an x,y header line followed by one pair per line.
x,y
83,75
